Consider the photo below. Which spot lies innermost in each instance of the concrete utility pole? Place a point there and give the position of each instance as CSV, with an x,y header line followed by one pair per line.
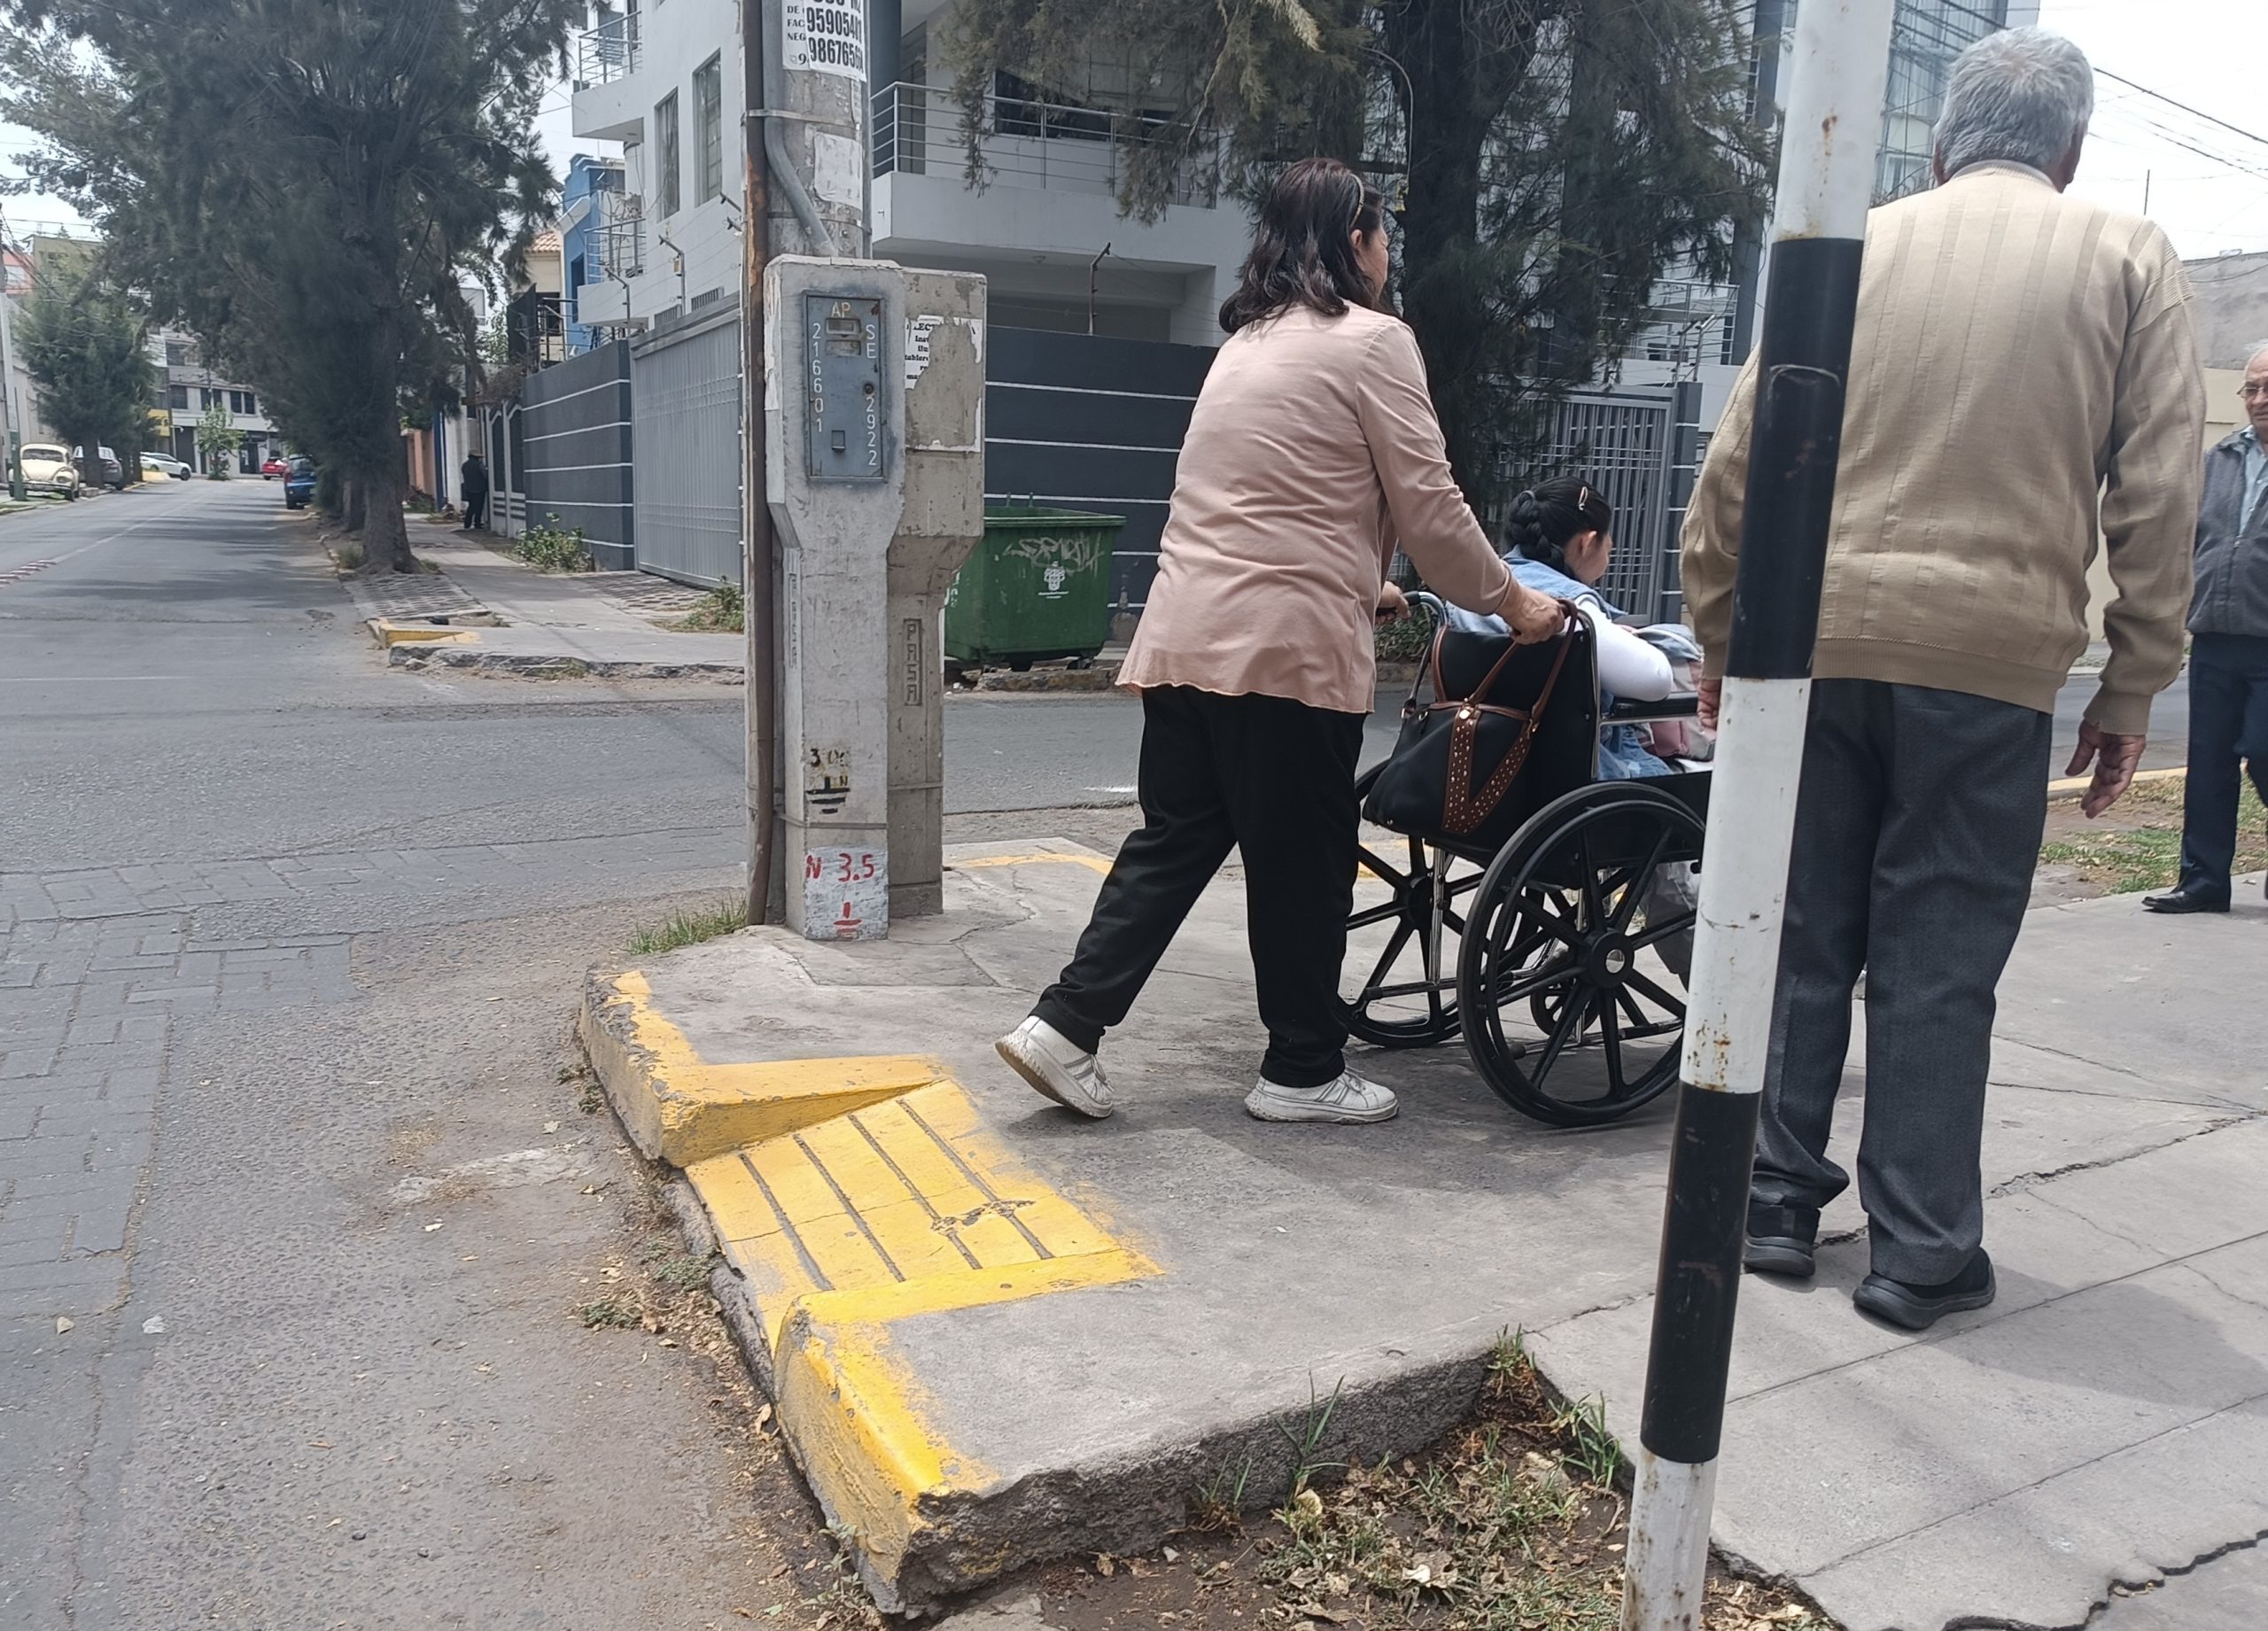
x,y
1839,69
870,387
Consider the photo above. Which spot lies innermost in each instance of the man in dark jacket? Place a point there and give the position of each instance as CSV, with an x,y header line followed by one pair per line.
x,y
2228,654
472,483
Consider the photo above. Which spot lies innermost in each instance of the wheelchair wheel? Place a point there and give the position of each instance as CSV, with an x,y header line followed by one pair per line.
x,y
1401,943
1557,934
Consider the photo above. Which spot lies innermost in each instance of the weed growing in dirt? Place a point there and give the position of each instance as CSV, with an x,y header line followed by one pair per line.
x,y
686,929
608,1312
722,613
551,548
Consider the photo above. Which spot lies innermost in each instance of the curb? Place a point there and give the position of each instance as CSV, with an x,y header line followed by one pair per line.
x,y
466,655
847,1194
2075,787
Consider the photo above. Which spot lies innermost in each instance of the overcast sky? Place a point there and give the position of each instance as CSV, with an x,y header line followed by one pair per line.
x,y
2207,184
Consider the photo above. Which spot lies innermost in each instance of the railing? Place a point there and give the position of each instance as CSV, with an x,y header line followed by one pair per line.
x,y
1022,143
607,52
620,238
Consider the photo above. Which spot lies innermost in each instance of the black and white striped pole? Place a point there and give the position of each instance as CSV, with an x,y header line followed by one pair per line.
x,y
1838,69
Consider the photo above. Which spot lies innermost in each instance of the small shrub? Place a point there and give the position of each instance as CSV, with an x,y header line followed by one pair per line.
x,y
550,549
1407,640
350,557
723,612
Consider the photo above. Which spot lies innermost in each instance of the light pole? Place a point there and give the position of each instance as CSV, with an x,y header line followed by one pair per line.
x,y
1839,69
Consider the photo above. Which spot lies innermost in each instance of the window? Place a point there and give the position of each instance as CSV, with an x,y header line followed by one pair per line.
x,y
241,402
709,128
177,397
665,170
176,354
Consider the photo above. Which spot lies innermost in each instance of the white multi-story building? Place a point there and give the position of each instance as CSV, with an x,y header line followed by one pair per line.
x,y
662,78
193,388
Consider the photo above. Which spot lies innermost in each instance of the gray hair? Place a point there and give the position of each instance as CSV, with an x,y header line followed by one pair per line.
x,y
2022,96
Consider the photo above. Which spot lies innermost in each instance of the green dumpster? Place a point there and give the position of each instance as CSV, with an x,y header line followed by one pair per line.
x,y
1036,586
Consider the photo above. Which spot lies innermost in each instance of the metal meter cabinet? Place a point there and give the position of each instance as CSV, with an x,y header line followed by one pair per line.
x,y
844,378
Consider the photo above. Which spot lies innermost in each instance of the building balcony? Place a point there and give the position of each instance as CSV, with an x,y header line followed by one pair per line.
x,y
1022,143
608,105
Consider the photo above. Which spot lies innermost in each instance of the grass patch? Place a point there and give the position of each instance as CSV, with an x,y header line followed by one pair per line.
x,y
349,557
723,612
551,548
609,1312
2137,846
686,929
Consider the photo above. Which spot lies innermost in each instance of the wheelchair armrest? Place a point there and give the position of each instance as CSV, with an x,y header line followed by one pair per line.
x,y
1685,706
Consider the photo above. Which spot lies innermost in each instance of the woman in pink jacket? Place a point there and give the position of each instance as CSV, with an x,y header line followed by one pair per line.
x,y
1312,451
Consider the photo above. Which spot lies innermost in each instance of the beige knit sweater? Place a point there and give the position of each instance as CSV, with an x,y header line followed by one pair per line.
x,y
2023,365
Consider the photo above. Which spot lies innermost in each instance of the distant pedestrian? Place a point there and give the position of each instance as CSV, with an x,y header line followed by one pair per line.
x,y
472,487
2228,656
1313,448
2023,359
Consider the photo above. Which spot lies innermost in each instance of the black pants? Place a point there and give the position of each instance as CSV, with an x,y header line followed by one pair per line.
x,y
476,511
2228,722
1917,829
1276,780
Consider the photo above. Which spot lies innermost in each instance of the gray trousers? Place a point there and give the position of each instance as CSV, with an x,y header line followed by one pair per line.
x,y
1917,829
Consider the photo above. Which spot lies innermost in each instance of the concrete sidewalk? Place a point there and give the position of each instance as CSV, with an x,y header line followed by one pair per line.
x,y
486,613
996,1333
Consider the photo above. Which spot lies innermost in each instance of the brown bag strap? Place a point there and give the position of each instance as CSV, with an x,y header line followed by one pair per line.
x,y
1464,807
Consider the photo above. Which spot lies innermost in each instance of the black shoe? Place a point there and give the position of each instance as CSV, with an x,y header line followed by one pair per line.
x,y
1917,1308
1781,1240
2184,898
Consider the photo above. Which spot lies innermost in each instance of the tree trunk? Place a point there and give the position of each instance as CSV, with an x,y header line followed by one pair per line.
x,y
386,535
1458,86
356,490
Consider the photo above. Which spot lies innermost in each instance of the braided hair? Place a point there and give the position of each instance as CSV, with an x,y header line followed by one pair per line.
x,y
1544,519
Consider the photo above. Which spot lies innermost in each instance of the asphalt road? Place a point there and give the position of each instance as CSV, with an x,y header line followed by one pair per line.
x,y
295,1211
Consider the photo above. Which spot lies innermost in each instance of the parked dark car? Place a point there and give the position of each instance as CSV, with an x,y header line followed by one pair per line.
x,y
299,482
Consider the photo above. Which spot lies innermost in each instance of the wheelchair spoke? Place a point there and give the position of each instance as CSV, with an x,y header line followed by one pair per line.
x,y
1668,1004
1364,859
1401,938
1610,1035
1552,973
1593,900
1656,933
1636,890
1571,1026
1369,915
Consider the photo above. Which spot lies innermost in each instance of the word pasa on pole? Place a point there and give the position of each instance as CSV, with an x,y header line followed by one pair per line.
x,y
826,38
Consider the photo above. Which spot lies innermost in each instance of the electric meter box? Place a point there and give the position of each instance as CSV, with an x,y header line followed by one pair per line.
x,y
848,430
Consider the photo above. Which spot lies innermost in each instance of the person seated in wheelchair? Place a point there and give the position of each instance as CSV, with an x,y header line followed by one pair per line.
x,y
1559,536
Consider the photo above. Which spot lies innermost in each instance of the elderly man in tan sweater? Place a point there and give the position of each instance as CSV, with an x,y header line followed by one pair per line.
x,y
2023,365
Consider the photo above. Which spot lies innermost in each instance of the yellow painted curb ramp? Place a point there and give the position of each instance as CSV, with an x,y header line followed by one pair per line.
x,y
849,1194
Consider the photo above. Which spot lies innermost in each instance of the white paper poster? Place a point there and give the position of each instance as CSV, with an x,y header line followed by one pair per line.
x,y
826,36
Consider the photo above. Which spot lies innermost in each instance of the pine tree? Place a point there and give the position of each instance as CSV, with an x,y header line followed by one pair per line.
x,y
1548,161
306,185
83,343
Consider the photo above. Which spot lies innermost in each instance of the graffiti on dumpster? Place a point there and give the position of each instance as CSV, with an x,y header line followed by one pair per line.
x,y
1059,559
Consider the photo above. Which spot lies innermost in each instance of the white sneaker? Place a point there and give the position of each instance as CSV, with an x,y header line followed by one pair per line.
x,y
1052,1063
1349,1099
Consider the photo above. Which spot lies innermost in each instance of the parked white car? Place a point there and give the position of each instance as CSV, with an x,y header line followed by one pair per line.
x,y
165,464
48,468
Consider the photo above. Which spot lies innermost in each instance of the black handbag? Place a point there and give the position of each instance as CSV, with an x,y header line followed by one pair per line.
x,y
1507,728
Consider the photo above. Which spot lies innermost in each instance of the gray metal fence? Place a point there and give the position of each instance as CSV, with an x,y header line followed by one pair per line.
x,y
685,387
570,450
1638,446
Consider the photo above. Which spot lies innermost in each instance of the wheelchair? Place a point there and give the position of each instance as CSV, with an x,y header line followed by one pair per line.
x,y
1538,938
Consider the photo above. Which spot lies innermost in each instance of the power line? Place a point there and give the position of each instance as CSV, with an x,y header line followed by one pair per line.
x,y
2195,113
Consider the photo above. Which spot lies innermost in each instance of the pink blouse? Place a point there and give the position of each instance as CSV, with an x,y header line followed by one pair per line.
x,y
1312,449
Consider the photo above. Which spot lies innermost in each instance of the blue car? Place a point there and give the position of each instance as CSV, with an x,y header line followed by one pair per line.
x,y
299,482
